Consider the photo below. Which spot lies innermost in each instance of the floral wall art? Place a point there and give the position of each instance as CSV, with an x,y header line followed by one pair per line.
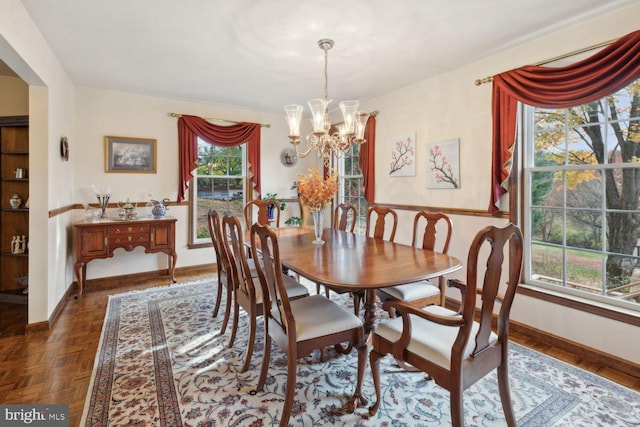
x,y
403,156
443,164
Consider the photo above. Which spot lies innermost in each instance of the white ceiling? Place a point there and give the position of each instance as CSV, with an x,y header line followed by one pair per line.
x,y
263,54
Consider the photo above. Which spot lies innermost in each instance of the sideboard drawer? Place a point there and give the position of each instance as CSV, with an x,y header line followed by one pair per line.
x,y
127,229
128,239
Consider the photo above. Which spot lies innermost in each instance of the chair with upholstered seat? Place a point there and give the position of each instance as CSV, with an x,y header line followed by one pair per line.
x,y
381,222
246,294
452,347
424,292
263,212
344,217
301,326
385,224
223,267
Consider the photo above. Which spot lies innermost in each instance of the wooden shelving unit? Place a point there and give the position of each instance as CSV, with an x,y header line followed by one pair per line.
x,y
14,154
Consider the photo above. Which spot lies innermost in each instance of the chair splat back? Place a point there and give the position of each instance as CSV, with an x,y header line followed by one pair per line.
x,y
378,229
430,235
498,238
232,228
263,214
225,272
263,237
343,215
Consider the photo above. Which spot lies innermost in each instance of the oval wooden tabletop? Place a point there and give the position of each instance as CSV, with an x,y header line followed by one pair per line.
x,y
353,261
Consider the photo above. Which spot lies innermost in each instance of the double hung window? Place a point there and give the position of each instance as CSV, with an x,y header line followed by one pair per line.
x,y
352,186
219,183
582,198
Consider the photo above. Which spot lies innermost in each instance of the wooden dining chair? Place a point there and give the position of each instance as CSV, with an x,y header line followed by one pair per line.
x,y
301,326
386,222
263,215
381,222
425,236
344,217
224,268
245,292
451,347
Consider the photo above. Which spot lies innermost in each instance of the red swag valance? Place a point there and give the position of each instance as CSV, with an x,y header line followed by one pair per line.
x,y
612,68
192,127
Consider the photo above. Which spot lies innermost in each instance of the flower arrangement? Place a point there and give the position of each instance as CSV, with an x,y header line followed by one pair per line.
x,y
315,191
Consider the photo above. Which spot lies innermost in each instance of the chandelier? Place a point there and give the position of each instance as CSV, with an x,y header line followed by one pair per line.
x,y
326,143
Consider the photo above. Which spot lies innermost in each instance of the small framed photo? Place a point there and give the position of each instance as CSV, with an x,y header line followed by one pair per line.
x,y
129,155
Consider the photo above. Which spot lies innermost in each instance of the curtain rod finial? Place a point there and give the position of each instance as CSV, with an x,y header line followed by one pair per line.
x,y
480,82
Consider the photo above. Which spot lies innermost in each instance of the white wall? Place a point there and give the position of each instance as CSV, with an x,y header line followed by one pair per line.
x,y
451,106
101,113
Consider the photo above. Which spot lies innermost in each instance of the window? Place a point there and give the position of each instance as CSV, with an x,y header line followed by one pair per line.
x,y
220,182
351,186
582,205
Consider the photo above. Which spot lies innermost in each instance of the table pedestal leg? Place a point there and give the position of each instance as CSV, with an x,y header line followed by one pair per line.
x,y
370,318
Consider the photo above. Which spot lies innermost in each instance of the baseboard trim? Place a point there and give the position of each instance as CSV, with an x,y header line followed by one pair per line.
x,y
103,283
585,352
36,328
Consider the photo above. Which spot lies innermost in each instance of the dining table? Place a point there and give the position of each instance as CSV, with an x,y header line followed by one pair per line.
x,y
352,262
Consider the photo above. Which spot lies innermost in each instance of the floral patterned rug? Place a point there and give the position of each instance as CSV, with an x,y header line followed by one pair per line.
x,y
162,362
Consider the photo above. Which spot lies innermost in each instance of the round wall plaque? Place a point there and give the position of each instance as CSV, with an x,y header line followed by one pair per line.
x,y
288,157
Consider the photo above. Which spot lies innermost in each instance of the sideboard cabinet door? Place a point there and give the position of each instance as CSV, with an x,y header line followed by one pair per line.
x,y
161,236
95,242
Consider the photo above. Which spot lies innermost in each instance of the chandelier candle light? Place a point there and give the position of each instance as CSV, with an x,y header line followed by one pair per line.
x,y
321,139
315,191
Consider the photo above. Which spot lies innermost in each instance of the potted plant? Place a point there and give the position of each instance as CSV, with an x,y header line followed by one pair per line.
x,y
295,221
279,202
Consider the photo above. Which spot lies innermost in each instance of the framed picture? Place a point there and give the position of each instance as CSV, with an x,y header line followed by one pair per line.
x,y
129,155
443,164
402,161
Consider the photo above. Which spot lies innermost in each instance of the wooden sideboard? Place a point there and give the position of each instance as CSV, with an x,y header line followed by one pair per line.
x,y
100,238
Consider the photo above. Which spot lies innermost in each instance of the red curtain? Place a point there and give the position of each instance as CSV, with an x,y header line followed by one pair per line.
x,y
367,160
612,68
192,127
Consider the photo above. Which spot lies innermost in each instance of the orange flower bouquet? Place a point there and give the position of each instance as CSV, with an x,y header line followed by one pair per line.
x,y
315,191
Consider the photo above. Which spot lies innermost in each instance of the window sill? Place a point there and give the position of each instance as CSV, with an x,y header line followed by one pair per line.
x,y
577,303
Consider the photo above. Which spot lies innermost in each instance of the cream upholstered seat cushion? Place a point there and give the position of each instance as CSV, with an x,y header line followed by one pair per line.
x,y
317,315
294,289
430,340
412,291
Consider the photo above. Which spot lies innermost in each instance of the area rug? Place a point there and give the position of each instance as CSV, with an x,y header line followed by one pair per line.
x,y
163,362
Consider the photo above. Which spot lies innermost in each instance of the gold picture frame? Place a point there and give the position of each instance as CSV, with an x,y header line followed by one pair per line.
x,y
129,155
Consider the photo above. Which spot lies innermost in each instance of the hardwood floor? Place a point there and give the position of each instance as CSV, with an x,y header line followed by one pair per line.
x,y
55,367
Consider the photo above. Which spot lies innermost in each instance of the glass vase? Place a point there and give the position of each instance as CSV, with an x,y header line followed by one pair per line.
x,y
318,216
